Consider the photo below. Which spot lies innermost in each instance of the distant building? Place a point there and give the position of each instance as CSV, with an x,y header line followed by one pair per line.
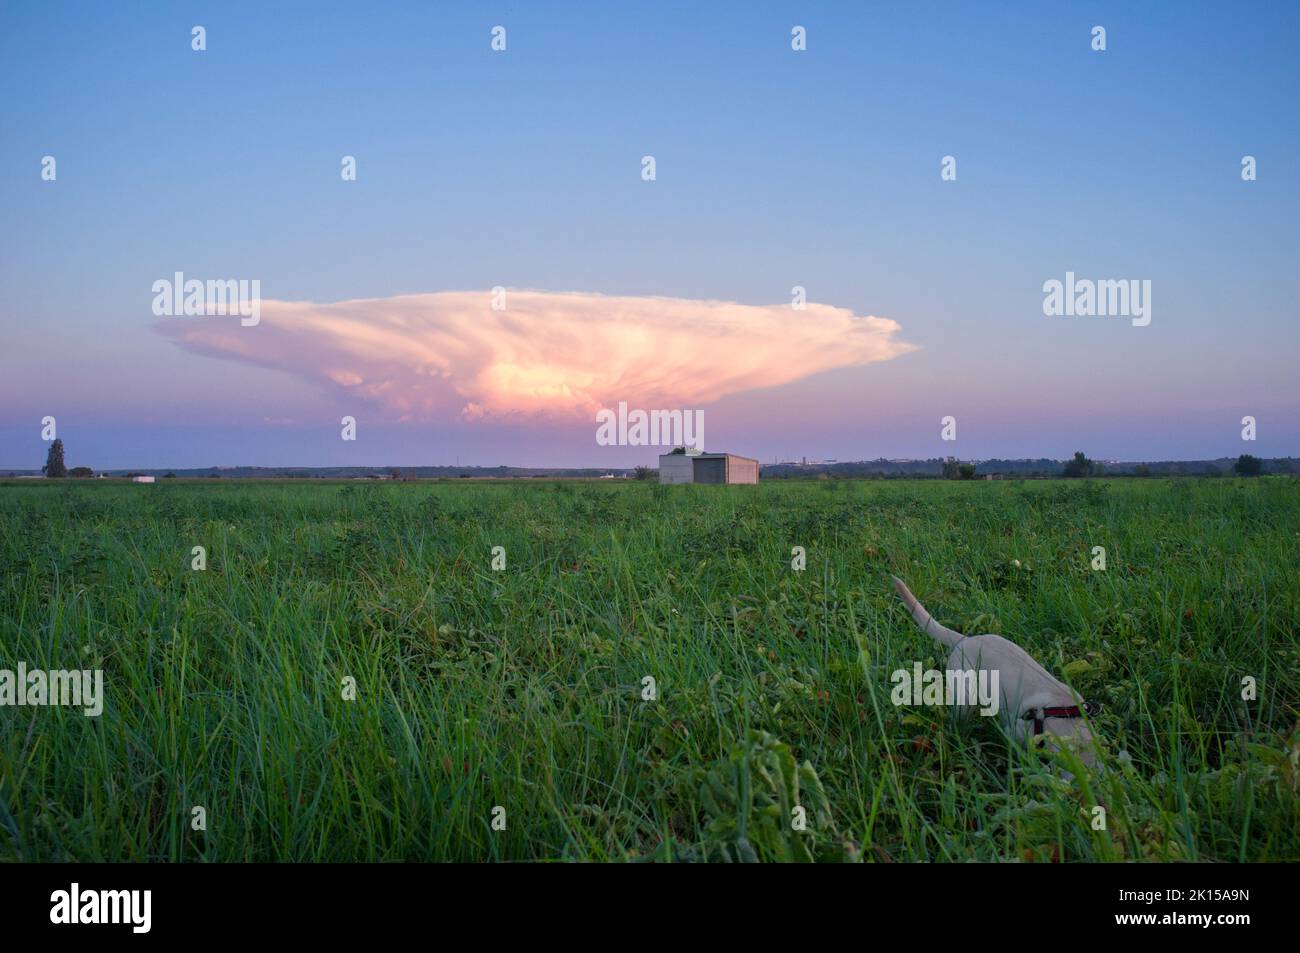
x,y
141,479
707,468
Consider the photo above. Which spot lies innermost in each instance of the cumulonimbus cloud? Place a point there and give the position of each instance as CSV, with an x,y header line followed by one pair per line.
x,y
552,354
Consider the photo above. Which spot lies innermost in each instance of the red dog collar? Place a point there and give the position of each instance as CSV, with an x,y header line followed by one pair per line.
x,y
1038,714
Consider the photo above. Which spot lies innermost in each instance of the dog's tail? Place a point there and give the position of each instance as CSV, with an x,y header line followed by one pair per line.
x,y
929,626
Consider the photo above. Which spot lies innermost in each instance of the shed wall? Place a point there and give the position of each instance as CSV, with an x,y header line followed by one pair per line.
x,y
710,470
676,468
742,471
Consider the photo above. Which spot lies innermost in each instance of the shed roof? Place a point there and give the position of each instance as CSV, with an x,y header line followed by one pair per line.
x,y
713,455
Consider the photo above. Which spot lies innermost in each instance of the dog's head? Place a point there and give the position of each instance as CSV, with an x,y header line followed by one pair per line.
x,y
1070,740
1072,734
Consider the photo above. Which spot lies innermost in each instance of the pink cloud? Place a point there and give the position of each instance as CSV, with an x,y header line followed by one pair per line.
x,y
549,354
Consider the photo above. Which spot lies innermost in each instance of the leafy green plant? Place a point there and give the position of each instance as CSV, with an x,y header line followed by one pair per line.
x,y
762,806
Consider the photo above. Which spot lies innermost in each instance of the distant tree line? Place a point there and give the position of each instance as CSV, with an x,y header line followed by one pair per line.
x,y
1080,465
56,467
1247,465
949,468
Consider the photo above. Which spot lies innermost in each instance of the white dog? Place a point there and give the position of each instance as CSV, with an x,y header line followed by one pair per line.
x,y
1032,701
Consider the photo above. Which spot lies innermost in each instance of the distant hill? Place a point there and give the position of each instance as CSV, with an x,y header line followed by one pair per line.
x,y
1042,468
356,473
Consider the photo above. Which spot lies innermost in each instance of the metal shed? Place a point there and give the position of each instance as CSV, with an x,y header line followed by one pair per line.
x,y
707,468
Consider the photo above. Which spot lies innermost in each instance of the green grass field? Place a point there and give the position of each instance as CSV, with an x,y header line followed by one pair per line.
x,y
522,689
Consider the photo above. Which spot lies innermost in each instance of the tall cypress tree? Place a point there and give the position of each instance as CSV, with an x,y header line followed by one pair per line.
x,y
54,466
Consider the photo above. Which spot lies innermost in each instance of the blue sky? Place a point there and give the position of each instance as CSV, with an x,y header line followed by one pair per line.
x,y
774,169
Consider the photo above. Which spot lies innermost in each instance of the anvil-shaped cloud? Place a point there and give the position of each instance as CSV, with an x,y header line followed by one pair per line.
x,y
550,354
